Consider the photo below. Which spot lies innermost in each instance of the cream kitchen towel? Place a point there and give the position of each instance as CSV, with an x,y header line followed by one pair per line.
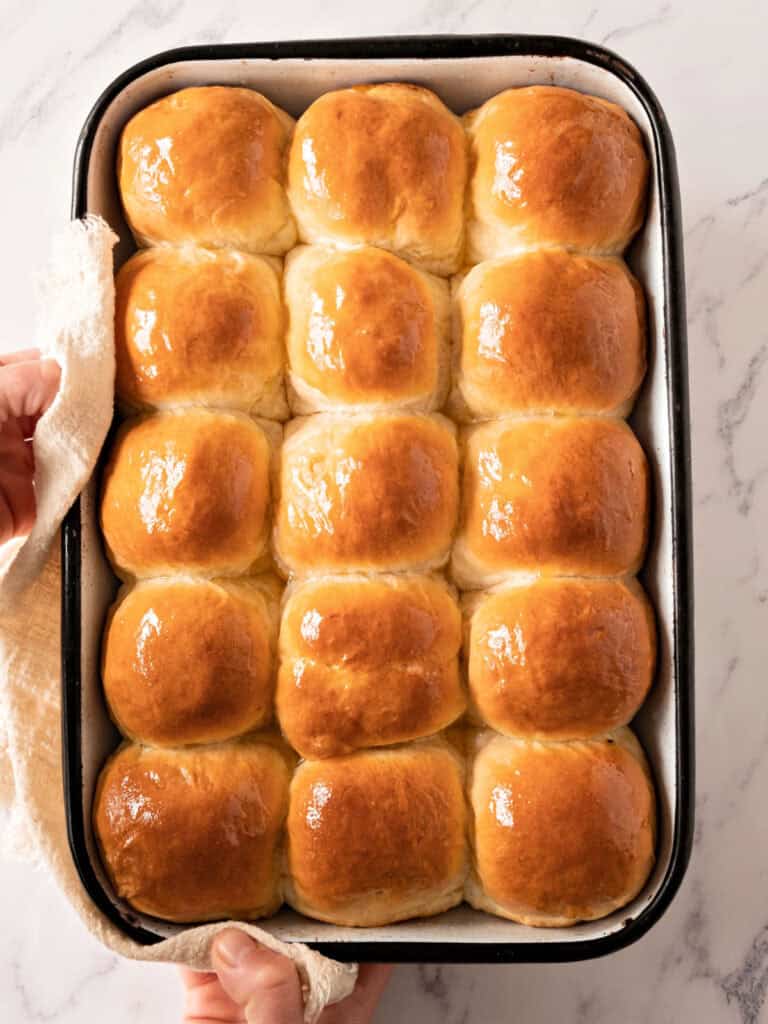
x,y
77,329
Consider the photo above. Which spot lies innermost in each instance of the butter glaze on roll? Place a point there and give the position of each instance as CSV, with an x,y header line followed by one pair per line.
x,y
205,165
381,165
378,836
398,810
366,330
552,166
199,327
367,661
366,493
560,659
195,834
548,331
551,496
192,661
562,832
187,491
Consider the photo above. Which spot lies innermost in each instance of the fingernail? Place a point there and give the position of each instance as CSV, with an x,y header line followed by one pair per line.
x,y
233,947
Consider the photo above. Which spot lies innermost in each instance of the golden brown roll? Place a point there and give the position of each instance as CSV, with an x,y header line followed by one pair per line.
x,y
191,661
562,832
548,331
199,327
552,166
381,165
367,661
366,330
366,493
187,491
195,834
377,836
205,165
558,497
560,659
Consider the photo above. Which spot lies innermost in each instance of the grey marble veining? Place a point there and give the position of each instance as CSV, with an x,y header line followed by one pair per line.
x,y
707,961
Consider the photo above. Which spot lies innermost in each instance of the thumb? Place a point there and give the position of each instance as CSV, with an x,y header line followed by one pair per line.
x,y
263,983
27,388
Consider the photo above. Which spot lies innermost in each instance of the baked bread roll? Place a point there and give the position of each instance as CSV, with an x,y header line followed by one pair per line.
x,y
187,491
205,165
367,661
552,166
366,330
381,165
562,832
366,493
558,497
191,661
199,327
548,331
195,834
378,836
560,659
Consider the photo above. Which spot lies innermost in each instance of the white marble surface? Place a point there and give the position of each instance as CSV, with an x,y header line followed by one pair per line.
x,y
707,961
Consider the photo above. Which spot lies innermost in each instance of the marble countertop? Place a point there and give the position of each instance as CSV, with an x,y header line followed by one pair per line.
x,y
707,960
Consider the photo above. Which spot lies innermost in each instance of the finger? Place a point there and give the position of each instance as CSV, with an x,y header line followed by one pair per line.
x,y
359,1007
17,453
51,373
24,355
17,492
263,983
196,979
28,388
24,426
17,508
206,1001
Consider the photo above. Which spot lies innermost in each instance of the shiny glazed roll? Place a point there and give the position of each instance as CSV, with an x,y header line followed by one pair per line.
x,y
557,497
366,493
195,834
191,661
187,491
367,661
381,165
552,166
548,331
199,327
378,836
562,832
366,330
205,165
560,659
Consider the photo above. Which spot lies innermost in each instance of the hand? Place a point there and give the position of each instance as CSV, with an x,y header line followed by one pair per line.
x,y
28,385
253,985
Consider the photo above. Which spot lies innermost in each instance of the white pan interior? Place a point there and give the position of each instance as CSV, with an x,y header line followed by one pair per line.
x,y
462,84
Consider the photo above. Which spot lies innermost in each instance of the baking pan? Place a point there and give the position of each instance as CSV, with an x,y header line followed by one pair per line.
x,y
464,71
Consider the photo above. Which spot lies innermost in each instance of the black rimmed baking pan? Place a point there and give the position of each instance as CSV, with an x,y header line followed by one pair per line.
x,y
464,71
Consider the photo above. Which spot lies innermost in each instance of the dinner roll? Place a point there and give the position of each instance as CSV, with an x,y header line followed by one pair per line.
x,y
367,493
562,832
383,165
560,659
367,661
191,661
559,497
199,327
378,836
195,834
187,491
552,166
548,331
366,330
205,165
